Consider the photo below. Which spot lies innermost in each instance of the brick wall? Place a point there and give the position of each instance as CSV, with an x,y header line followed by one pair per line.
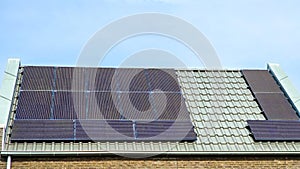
x,y
164,162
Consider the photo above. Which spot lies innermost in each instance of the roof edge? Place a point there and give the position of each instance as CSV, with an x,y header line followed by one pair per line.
x,y
286,84
8,88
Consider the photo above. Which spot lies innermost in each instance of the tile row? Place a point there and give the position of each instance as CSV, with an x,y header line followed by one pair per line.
x,y
206,73
221,104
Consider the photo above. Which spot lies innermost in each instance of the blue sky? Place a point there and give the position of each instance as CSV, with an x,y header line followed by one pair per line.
x,y
245,34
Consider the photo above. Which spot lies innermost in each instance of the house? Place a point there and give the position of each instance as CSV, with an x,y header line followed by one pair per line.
x,y
69,117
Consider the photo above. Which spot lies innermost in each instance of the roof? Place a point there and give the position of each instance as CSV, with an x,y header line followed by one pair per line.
x,y
219,102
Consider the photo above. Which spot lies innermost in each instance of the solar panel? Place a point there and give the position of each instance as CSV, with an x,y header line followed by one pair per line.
x,y
100,79
69,105
104,130
34,105
37,78
152,106
162,130
163,79
276,106
170,106
70,78
102,105
135,106
271,130
42,130
261,81
131,80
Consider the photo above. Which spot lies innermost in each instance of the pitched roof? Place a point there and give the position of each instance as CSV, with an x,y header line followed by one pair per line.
x,y
219,101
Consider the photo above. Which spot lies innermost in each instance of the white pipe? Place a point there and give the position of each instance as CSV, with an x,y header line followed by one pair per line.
x,y
8,164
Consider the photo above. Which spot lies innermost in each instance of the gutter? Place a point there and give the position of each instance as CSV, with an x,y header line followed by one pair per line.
x,y
3,136
153,153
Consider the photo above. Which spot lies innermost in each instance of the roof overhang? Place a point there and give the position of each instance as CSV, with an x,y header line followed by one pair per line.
x,y
8,88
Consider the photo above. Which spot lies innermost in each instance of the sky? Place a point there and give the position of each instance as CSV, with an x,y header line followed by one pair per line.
x,y
245,34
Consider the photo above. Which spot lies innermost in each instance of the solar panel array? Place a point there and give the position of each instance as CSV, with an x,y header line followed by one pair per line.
x,y
271,99
87,97
270,130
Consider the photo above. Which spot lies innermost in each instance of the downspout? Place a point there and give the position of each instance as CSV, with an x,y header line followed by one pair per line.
x,y
2,141
8,164
3,136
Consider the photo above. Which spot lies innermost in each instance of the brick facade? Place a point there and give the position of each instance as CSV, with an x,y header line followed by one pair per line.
x,y
164,162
